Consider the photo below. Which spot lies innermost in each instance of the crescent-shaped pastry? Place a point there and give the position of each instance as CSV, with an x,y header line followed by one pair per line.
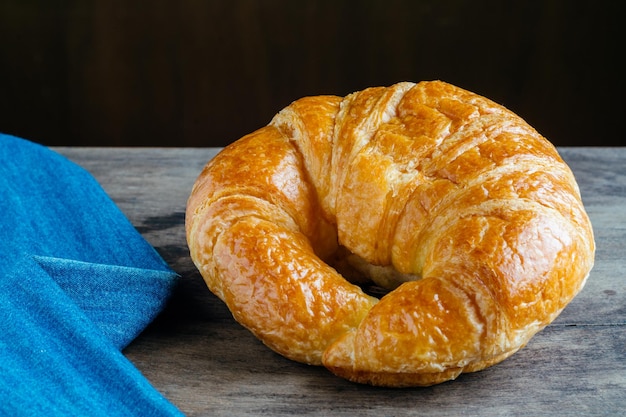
x,y
462,211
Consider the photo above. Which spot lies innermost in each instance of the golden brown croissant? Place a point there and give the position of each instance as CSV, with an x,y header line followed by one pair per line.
x,y
463,211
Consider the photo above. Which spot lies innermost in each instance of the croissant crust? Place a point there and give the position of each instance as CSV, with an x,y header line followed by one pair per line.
x,y
464,212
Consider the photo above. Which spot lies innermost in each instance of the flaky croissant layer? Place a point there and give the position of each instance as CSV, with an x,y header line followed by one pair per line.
x,y
458,206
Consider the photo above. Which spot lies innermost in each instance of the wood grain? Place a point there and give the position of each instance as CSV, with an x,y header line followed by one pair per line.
x,y
207,364
204,73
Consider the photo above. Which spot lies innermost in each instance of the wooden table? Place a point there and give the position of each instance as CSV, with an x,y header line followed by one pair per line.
x,y
207,364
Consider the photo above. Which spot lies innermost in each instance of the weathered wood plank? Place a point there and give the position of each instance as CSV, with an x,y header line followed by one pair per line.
x,y
207,364
217,369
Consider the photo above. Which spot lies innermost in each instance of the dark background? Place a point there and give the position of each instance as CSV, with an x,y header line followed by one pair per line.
x,y
204,73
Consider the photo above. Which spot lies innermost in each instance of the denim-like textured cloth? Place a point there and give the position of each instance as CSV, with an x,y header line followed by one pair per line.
x,y
77,284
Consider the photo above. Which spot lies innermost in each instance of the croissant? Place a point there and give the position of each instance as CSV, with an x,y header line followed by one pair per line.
x,y
398,236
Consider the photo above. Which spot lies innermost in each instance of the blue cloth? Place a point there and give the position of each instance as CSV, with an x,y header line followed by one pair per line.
x,y
77,284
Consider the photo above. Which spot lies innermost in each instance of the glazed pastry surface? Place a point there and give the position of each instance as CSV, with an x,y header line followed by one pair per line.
x,y
461,210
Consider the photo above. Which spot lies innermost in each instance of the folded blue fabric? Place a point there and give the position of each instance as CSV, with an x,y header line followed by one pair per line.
x,y
77,284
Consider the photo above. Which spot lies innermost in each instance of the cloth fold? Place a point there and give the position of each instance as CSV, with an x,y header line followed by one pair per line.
x,y
77,284
129,300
